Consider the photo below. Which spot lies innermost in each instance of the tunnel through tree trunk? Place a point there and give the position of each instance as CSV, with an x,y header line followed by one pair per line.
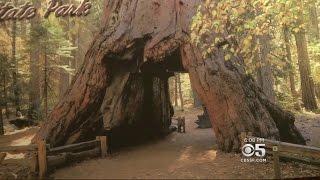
x,y
124,81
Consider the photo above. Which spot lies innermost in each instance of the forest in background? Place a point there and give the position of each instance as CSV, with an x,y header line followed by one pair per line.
x,y
280,41
39,58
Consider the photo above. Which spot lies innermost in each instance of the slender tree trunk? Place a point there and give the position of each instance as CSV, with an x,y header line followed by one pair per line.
x,y
16,88
77,56
123,81
317,90
63,77
65,61
46,83
34,90
315,31
265,76
307,86
74,38
74,59
196,100
81,50
2,95
314,22
1,122
176,89
5,95
180,92
294,93
287,38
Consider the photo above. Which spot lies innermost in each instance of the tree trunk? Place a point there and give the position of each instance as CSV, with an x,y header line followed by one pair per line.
x,y
287,38
123,82
234,103
34,90
15,84
74,54
315,31
314,22
1,122
317,90
3,66
5,96
196,100
176,90
294,93
307,86
265,76
64,76
180,92
46,83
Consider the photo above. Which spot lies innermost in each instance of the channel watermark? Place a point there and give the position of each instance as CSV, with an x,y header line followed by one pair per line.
x,y
253,150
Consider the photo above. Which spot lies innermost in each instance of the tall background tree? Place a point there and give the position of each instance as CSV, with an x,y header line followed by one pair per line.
x,y
34,90
307,84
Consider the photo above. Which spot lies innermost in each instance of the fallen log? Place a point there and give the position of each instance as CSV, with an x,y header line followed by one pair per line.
x,y
74,147
66,158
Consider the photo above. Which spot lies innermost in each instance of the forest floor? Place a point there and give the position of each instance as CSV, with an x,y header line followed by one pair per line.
x,y
179,156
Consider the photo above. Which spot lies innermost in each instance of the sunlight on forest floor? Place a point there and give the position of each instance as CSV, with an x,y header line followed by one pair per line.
x,y
18,138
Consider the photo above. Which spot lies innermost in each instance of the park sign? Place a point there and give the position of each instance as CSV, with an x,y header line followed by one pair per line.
x,y
8,11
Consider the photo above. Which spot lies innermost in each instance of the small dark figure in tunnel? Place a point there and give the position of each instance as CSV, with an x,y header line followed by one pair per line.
x,y
181,124
108,133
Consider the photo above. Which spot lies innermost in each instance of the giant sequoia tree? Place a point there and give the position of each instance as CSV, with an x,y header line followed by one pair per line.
x,y
124,80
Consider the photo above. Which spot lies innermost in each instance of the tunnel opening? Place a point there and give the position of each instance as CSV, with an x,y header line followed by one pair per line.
x,y
149,127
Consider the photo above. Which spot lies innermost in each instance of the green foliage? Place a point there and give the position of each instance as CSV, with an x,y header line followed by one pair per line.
x,y
286,101
244,22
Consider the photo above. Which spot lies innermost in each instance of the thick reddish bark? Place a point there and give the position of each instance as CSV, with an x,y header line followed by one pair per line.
x,y
124,80
234,102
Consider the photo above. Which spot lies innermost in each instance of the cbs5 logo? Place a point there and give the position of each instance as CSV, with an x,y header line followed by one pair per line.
x,y
249,150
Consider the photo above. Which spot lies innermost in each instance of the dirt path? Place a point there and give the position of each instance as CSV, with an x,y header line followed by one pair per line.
x,y
16,166
309,126
179,156
18,137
